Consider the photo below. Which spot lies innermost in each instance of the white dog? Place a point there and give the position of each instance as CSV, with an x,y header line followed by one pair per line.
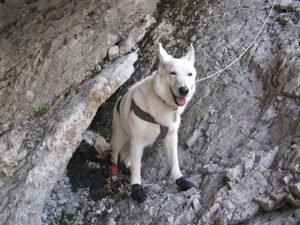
x,y
151,110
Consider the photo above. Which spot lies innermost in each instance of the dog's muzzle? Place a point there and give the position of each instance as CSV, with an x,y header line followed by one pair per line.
x,y
180,100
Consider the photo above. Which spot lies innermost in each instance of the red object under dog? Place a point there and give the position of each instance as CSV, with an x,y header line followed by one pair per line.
x,y
112,170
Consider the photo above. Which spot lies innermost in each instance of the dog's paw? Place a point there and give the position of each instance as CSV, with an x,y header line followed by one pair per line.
x,y
112,170
184,184
138,193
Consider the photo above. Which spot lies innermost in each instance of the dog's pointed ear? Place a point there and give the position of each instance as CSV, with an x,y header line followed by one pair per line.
x,y
190,55
163,55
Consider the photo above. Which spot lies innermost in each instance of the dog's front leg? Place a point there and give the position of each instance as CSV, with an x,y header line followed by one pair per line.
x,y
170,147
136,153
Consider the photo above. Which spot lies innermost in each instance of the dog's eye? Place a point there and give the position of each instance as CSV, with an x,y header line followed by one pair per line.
x,y
190,74
173,73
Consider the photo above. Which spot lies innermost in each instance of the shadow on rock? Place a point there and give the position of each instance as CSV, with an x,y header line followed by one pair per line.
x,y
85,170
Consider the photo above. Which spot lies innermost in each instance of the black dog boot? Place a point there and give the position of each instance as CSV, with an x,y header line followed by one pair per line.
x,y
138,193
184,184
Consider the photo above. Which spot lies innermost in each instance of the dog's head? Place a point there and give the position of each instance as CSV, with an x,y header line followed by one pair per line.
x,y
175,80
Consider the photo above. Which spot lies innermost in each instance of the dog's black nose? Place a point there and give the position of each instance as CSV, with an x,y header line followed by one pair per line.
x,y
183,91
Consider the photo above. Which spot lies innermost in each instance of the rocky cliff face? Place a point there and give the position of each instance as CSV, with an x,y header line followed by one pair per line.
x,y
239,137
52,82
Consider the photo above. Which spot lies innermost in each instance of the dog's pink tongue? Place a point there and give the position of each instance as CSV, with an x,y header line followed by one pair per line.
x,y
180,101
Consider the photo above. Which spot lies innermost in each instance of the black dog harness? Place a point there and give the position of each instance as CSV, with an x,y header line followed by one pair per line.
x,y
144,116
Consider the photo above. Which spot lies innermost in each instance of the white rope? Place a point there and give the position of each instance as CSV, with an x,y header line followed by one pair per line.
x,y
243,53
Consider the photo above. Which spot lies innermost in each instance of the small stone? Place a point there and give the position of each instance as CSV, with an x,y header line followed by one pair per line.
x,y
295,188
113,52
233,173
278,196
286,179
213,112
62,201
267,204
101,145
247,163
228,205
211,169
170,219
98,68
110,210
291,200
196,204
293,167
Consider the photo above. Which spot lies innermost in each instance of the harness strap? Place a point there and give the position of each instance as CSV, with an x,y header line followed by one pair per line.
x,y
144,116
163,132
118,105
147,117
141,113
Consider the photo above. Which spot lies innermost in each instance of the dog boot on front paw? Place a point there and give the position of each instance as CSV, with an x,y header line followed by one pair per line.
x,y
184,184
138,193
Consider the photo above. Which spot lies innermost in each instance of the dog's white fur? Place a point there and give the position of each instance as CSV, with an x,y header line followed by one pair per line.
x,y
153,95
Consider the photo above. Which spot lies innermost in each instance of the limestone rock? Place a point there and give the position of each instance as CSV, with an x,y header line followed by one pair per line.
x,y
295,188
52,156
113,52
44,71
101,145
